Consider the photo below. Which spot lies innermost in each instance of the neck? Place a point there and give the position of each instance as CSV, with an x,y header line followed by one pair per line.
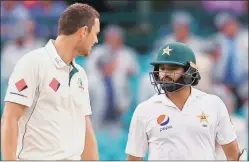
x,y
65,48
180,97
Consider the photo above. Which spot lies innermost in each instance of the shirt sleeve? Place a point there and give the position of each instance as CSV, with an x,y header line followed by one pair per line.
x,y
87,105
23,82
137,143
225,129
88,109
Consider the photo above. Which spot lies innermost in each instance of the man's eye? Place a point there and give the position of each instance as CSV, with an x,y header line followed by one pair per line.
x,y
173,68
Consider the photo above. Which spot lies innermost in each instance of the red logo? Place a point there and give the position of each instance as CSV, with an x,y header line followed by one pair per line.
x,y
54,84
21,85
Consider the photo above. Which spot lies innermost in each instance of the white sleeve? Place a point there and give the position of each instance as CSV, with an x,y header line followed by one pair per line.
x,y
137,143
87,105
225,129
23,82
88,109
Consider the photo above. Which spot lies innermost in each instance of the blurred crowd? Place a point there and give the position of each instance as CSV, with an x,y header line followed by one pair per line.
x,y
118,74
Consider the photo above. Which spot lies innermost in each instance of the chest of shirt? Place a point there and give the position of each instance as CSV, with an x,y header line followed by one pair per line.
x,y
58,88
168,122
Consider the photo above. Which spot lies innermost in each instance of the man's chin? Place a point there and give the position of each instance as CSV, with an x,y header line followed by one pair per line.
x,y
84,55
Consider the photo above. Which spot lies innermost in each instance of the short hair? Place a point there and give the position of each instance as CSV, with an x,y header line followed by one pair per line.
x,y
76,16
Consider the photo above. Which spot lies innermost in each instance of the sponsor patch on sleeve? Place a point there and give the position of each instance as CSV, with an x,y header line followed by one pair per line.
x,y
21,85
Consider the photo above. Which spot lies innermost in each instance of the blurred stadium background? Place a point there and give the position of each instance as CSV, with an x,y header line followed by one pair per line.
x,y
217,31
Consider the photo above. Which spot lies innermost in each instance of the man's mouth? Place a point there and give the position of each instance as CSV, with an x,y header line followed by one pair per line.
x,y
167,79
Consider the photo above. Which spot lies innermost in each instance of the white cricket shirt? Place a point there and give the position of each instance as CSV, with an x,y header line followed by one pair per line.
x,y
53,125
170,134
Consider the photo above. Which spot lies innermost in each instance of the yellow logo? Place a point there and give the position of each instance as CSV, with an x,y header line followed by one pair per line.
x,y
203,117
167,50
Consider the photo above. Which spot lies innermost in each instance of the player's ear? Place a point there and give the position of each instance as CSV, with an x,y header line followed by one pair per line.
x,y
84,31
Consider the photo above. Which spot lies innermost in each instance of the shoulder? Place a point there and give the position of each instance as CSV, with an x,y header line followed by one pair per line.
x,y
81,70
207,96
144,108
33,58
212,100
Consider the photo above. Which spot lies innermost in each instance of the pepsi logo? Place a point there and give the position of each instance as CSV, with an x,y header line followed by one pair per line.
x,y
163,120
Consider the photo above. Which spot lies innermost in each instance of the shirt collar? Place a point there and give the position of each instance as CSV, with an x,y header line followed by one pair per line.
x,y
57,60
162,98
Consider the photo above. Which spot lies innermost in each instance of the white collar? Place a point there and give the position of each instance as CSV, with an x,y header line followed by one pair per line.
x,y
162,98
57,60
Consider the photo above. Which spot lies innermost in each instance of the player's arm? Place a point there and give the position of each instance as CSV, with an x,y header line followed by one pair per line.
x,y
137,143
19,96
134,158
91,148
231,150
226,135
9,129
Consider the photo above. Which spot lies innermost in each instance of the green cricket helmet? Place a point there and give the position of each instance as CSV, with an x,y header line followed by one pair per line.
x,y
175,53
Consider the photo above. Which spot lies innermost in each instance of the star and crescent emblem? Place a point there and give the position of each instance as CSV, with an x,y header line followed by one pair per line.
x,y
167,50
203,117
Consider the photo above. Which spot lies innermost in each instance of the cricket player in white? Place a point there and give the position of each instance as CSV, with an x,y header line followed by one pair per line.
x,y
180,122
47,106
